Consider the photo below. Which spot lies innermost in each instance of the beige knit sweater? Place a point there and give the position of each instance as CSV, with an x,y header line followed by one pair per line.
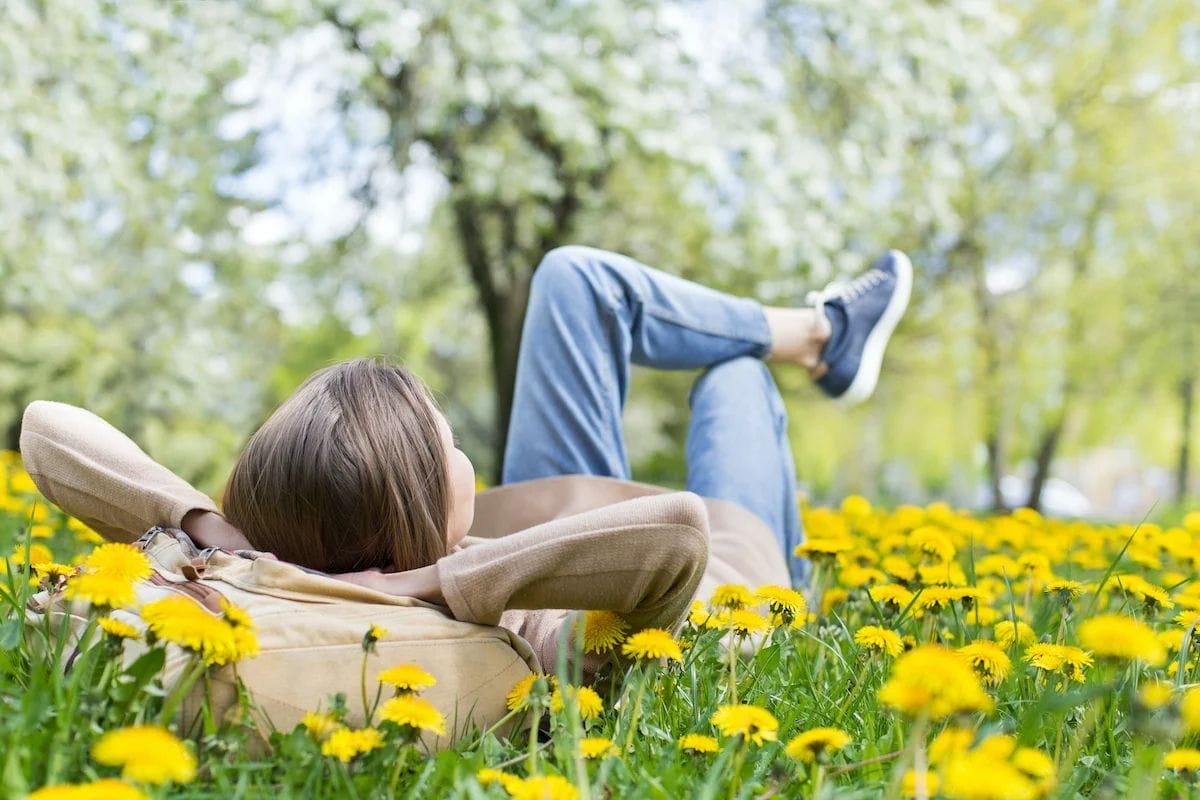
x,y
644,557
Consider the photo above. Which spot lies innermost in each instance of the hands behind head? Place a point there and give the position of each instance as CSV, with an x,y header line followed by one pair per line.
x,y
421,583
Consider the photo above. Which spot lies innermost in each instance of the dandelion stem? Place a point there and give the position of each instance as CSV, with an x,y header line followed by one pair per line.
x,y
817,779
733,656
531,762
181,691
636,711
362,683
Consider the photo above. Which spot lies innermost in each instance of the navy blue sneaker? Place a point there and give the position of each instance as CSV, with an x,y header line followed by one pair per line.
x,y
862,313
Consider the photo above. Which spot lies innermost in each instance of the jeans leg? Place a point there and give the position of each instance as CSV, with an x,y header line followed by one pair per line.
x,y
591,313
738,449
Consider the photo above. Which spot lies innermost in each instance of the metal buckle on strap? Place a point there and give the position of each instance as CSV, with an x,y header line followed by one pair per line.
x,y
144,541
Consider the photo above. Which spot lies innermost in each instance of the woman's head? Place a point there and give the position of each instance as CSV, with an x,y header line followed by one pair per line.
x,y
357,469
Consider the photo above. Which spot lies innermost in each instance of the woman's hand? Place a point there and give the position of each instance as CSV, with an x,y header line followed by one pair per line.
x,y
209,529
421,583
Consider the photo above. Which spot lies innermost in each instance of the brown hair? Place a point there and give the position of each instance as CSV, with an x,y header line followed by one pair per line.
x,y
349,473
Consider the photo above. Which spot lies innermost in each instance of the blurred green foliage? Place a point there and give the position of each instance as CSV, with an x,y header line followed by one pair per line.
x,y
203,202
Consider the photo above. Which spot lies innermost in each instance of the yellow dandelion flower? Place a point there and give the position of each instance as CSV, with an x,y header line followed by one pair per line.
x,y
881,640
1189,710
899,568
1137,587
718,620
602,631
833,597
54,572
948,574
988,660
823,549
652,643
319,725
487,776
596,747
699,614
1065,659
1036,765
781,600
186,623
1183,759
374,634
20,483
936,598
101,590
816,744
855,505
930,781
344,744
518,695
586,700
103,789
979,775
998,745
744,622
118,629
891,596
541,787
147,754
413,712
932,543
753,723
984,615
855,576
119,561
950,742
1172,640
236,615
1007,632
1156,694
731,595
931,680
698,743
407,678
1123,638
1064,589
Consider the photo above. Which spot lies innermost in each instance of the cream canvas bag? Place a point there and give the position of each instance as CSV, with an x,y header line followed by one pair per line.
x,y
310,629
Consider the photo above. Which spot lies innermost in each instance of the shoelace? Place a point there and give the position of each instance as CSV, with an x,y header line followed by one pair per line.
x,y
847,292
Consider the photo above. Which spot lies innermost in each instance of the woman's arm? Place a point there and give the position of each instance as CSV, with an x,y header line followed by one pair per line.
x,y
641,558
100,476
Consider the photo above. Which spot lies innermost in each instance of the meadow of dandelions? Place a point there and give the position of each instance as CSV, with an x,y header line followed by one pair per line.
x,y
936,654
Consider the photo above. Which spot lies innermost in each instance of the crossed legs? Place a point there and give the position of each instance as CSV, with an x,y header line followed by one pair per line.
x,y
593,313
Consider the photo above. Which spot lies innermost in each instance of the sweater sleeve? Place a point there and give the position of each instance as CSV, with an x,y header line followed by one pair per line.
x,y
97,474
641,558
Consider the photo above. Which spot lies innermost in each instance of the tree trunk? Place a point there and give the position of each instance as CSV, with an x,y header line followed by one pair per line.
x,y
1076,336
504,332
995,470
12,436
1047,446
991,379
1187,394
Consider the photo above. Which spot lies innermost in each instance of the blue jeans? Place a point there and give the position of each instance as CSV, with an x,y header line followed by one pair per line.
x,y
591,313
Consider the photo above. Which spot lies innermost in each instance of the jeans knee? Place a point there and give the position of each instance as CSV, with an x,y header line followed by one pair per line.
x,y
568,271
740,380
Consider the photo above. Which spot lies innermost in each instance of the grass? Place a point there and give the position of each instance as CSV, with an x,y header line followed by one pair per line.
x,y
1103,730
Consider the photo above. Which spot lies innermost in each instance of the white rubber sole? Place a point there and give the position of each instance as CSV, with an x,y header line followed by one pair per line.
x,y
863,385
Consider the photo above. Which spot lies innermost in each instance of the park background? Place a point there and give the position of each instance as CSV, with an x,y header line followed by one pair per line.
x,y
201,203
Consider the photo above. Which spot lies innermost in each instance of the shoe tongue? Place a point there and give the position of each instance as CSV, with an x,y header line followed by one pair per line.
x,y
835,311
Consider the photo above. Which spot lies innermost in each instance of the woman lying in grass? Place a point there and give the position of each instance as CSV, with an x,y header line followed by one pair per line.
x,y
358,473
